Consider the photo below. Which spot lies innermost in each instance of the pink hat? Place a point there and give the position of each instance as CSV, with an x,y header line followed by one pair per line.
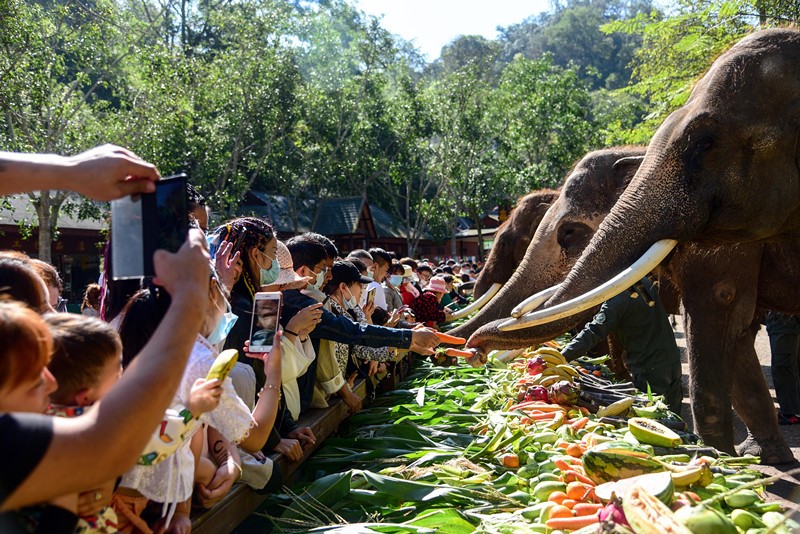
x,y
287,277
436,284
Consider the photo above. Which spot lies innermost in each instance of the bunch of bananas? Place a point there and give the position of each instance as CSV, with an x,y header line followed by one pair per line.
x,y
547,366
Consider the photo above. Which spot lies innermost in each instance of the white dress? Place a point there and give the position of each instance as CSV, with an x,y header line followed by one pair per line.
x,y
171,481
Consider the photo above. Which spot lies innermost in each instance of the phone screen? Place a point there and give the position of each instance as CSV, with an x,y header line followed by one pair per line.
x,y
142,224
266,314
371,294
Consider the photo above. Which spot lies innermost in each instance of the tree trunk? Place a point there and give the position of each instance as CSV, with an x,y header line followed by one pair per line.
x,y
480,239
45,234
453,239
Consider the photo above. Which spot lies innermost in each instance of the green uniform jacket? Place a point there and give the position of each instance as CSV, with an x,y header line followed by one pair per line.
x,y
645,333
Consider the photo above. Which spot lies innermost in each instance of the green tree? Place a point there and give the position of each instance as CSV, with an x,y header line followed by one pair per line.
x,y
542,121
58,75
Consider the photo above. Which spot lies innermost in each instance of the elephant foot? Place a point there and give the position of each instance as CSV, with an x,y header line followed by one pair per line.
x,y
771,453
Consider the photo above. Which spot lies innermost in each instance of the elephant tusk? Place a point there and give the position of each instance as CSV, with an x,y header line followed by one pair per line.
x,y
533,302
478,304
649,260
509,355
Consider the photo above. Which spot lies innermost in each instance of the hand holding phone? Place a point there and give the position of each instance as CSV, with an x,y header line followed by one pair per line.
x,y
265,323
142,224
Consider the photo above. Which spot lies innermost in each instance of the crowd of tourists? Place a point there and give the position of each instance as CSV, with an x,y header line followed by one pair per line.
x,y
108,419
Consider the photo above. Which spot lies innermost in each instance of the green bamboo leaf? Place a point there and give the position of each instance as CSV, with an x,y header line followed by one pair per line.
x,y
326,491
420,398
447,520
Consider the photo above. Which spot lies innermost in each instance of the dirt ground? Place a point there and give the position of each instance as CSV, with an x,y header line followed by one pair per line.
x,y
788,489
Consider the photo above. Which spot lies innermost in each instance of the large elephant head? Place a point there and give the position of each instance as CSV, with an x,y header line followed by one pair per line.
x,y
512,238
588,193
724,168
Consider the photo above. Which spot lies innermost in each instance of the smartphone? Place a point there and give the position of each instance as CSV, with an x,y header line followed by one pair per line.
x,y
223,365
371,294
142,224
266,317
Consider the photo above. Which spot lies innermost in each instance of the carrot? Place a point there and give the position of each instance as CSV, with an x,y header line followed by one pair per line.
x,y
459,352
580,423
559,512
586,508
569,503
571,475
562,464
557,497
572,523
575,450
450,340
552,345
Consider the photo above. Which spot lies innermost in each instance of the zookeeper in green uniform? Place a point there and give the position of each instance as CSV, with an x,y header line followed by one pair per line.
x,y
645,333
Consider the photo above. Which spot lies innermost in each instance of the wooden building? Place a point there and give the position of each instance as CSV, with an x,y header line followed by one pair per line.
x,y
76,252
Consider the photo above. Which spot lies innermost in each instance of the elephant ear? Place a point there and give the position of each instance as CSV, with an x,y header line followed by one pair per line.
x,y
624,171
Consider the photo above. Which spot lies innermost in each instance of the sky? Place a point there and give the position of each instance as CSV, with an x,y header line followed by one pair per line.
x,y
431,24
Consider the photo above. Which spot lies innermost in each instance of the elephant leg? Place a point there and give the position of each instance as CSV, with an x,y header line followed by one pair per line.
x,y
753,403
719,294
709,382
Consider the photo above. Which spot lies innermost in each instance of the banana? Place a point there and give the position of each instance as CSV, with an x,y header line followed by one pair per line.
x,y
552,359
550,371
568,369
695,475
551,355
550,380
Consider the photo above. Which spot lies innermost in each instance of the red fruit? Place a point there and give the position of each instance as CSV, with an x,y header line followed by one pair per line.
x,y
536,365
537,393
613,512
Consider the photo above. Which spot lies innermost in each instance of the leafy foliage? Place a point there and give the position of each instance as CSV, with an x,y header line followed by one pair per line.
x,y
316,99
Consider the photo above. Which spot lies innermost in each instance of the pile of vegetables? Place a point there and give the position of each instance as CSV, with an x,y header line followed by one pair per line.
x,y
524,447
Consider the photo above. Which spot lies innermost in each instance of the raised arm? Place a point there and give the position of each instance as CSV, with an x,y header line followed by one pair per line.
x,y
103,173
107,441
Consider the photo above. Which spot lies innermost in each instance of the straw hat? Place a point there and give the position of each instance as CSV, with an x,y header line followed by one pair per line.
x,y
287,277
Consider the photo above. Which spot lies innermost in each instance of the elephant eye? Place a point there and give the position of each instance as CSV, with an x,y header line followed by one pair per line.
x,y
697,148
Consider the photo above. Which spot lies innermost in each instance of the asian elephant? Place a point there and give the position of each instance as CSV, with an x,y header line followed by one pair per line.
x,y
512,238
556,242
721,178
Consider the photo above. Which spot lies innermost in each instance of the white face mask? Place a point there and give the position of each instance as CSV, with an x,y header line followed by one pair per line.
x,y
319,281
351,302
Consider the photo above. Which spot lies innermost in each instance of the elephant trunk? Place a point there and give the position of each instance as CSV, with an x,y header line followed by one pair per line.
x,y
532,275
642,216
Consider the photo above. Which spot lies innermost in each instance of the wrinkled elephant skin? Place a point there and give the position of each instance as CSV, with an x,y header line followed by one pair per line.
x,y
587,195
721,170
512,238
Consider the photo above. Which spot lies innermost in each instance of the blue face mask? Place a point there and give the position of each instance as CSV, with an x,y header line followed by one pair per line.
x,y
268,276
223,327
396,279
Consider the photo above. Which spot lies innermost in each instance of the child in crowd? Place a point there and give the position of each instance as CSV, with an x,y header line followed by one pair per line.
x,y
171,481
86,362
426,307
344,291
91,301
